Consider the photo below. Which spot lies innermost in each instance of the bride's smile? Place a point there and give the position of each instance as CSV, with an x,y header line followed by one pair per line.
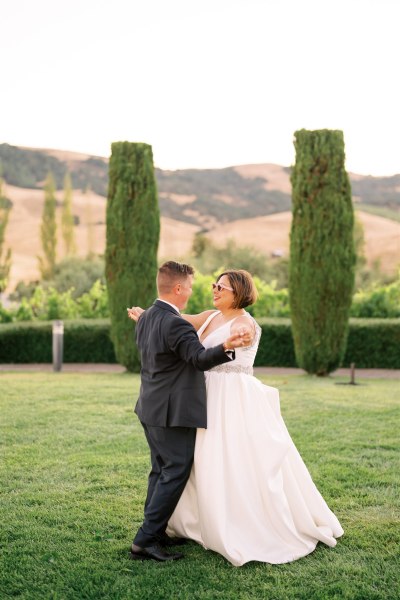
x,y
223,295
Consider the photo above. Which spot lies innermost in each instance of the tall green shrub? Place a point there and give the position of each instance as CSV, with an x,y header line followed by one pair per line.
x,y
133,228
48,229
322,255
67,218
5,255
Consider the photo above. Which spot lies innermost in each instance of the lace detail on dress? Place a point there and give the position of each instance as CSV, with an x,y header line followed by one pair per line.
x,y
227,368
257,336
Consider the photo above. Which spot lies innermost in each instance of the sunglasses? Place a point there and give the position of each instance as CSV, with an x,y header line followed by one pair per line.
x,y
221,286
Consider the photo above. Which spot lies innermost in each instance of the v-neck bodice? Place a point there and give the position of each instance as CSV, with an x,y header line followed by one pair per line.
x,y
244,356
206,324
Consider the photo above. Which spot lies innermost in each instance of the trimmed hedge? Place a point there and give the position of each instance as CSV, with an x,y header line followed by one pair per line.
x,y
372,343
276,347
85,341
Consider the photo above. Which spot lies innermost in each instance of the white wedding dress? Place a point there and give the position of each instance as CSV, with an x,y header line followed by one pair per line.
x,y
250,495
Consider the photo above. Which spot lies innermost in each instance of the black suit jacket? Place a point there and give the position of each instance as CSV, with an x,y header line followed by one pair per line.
x,y
172,391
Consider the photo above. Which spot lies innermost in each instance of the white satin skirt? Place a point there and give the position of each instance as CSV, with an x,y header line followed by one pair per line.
x,y
250,495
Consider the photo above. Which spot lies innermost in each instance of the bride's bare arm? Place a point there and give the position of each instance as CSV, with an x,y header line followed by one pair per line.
x,y
245,325
198,320
195,320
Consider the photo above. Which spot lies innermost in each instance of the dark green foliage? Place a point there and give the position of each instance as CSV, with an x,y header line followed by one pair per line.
x,y
276,345
378,302
249,194
208,258
25,343
91,173
133,229
23,290
85,341
372,343
77,273
378,191
322,255
28,168
48,230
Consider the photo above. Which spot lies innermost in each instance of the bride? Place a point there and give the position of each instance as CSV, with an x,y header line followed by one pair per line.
x,y
249,495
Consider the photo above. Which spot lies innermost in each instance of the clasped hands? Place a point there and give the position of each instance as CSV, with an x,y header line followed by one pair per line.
x,y
242,337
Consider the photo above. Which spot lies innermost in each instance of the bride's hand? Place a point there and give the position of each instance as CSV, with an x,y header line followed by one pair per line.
x,y
135,312
241,338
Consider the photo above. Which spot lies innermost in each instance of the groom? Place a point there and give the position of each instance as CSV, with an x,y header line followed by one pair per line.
x,y
172,402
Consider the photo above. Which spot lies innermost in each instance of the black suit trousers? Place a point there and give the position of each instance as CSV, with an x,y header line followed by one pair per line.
x,y
172,452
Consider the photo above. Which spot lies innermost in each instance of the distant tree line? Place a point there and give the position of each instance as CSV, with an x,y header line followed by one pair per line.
x,y
29,169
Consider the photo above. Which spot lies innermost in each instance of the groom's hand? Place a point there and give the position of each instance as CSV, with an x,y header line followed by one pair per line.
x,y
241,338
135,312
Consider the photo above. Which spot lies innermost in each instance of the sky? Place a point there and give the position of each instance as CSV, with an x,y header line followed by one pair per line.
x,y
208,83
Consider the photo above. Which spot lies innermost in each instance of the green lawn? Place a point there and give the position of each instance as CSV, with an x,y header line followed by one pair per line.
x,y
73,478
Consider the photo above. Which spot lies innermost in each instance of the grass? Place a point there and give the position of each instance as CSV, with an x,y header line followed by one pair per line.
x,y
380,211
73,478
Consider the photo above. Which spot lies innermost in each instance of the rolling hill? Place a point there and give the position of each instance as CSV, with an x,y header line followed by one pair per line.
x,y
203,197
249,203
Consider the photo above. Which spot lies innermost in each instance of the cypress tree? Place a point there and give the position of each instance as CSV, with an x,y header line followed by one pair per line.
x,y
48,230
5,257
133,229
322,255
67,219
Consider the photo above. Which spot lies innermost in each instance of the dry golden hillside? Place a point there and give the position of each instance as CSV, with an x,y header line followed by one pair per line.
x,y
276,177
268,233
23,230
271,233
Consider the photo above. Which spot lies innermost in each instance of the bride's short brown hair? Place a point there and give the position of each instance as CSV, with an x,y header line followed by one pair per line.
x,y
244,289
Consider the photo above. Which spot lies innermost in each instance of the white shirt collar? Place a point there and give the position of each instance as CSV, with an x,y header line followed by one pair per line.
x,y
170,303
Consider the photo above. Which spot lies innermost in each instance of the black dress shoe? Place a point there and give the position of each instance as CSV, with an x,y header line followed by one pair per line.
x,y
165,541
154,552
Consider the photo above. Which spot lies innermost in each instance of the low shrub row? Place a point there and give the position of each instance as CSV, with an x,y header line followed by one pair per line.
x,y
85,341
372,343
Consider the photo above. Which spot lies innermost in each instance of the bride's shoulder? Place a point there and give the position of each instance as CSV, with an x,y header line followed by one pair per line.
x,y
246,321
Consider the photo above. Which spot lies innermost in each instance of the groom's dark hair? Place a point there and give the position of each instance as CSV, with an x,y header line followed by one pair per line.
x,y
171,273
